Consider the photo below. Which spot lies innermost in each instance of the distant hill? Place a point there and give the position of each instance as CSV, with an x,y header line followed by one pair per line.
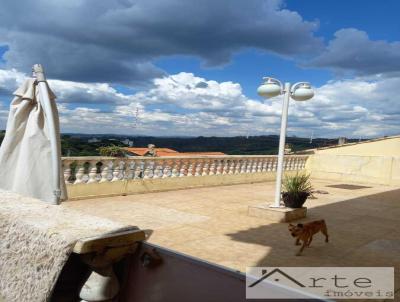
x,y
78,145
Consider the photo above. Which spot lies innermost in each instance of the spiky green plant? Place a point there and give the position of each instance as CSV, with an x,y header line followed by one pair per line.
x,y
296,184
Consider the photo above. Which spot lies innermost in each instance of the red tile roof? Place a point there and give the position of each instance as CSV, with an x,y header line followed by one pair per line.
x,y
199,153
161,152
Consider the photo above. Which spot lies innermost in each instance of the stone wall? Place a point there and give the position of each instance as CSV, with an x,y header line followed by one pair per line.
x,y
384,170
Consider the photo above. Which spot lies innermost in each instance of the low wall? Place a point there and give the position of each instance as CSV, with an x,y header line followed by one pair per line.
x,y
135,186
384,170
88,177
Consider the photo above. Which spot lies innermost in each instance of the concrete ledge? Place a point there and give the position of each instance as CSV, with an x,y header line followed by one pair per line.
x,y
277,214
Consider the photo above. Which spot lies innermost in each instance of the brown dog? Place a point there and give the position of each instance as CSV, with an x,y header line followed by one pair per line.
x,y
305,232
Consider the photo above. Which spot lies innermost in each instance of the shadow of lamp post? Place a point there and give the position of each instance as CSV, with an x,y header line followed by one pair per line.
x,y
300,91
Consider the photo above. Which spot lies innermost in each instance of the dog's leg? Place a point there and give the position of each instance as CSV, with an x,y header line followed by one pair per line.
x,y
325,232
301,249
309,241
297,242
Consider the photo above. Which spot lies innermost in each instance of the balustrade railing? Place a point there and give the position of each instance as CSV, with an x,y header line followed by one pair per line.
x,y
98,169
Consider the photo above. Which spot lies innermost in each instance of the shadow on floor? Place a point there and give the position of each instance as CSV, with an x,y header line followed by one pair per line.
x,y
364,231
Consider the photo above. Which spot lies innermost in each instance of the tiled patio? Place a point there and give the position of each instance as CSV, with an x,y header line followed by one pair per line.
x,y
212,224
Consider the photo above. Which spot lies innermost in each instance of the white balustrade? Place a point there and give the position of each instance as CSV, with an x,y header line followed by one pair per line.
x,y
94,169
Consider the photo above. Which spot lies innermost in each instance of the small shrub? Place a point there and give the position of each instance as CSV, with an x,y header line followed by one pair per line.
x,y
112,150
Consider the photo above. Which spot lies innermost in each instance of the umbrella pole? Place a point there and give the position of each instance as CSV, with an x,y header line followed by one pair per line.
x,y
55,147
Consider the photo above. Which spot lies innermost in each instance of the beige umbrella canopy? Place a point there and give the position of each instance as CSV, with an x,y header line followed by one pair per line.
x,y
30,155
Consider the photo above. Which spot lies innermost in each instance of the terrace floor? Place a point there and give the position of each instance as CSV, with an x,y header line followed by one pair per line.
x,y
212,224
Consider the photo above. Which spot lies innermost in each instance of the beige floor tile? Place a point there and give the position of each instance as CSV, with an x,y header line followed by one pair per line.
x,y
212,224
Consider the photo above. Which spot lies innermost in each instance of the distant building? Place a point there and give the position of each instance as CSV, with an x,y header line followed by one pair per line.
x,y
151,150
288,149
93,140
342,140
127,142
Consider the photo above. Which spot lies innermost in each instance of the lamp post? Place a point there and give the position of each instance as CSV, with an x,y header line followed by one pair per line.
x,y
300,91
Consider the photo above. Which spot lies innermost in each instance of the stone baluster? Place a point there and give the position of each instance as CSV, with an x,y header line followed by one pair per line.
x,y
238,166
249,165
286,164
289,164
254,166
294,163
175,168
122,170
304,160
147,173
231,169
138,173
183,170
92,171
212,167
115,170
298,162
105,171
206,168
264,167
269,164
152,166
243,167
218,170
198,167
129,169
190,171
225,166
276,164
80,172
67,170
260,165
167,172
157,169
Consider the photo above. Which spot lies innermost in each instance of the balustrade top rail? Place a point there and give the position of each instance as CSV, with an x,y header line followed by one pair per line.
x,y
90,158
91,169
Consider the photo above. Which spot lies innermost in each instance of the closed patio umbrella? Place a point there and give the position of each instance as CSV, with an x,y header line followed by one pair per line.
x,y
30,155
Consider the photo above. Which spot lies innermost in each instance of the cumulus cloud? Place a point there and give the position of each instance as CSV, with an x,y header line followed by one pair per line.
x,y
352,50
117,41
184,104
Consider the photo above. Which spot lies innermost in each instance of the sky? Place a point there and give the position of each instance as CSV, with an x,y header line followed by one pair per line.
x,y
190,68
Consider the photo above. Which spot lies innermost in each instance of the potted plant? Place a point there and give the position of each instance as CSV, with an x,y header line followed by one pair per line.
x,y
296,188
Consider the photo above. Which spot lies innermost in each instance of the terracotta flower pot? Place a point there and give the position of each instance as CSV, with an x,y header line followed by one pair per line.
x,y
294,201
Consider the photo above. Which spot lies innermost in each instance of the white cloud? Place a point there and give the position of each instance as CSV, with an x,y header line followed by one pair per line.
x,y
184,104
353,51
118,40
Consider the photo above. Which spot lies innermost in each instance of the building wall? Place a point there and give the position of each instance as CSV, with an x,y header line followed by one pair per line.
x,y
384,147
384,170
373,162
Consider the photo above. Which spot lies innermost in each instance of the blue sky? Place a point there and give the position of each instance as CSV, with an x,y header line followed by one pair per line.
x,y
193,67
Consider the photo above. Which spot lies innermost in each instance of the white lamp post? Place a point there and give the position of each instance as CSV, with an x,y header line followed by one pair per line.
x,y
301,91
